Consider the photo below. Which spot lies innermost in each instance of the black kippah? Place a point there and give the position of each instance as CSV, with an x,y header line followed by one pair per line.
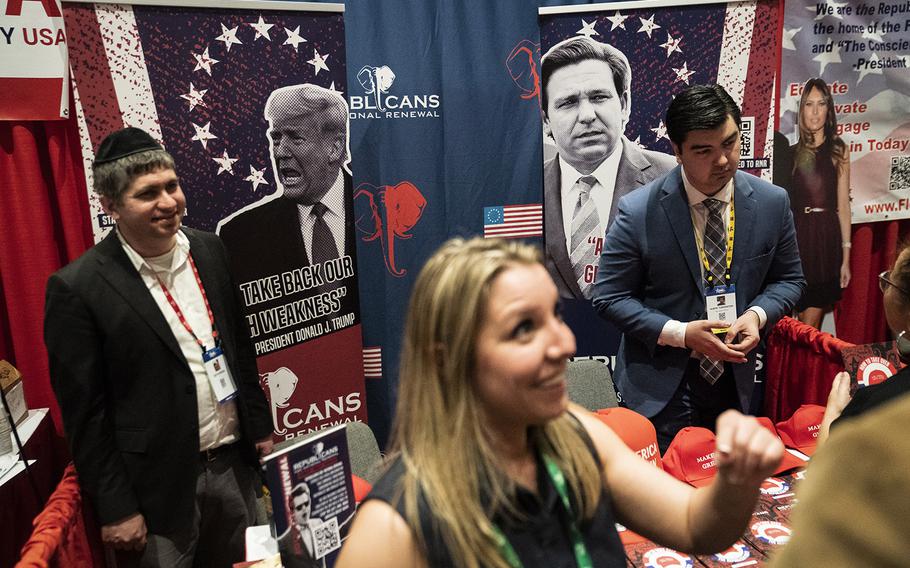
x,y
125,143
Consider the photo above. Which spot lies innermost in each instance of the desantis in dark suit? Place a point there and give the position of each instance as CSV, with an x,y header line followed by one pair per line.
x,y
586,97
310,219
131,383
651,281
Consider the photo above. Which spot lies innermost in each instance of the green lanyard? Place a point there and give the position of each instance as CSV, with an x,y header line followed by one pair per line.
x,y
582,558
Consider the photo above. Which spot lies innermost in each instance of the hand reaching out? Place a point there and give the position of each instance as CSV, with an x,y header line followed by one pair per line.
x,y
747,453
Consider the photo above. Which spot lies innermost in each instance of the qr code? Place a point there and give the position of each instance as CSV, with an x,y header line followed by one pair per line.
x,y
900,173
746,130
327,537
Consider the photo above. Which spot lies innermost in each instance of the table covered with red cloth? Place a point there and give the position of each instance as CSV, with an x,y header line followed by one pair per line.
x,y
800,364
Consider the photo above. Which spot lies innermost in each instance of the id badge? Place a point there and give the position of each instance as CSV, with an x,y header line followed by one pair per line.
x,y
219,376
721,304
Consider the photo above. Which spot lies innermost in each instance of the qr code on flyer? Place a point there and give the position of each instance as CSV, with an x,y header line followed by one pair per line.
x,y
327,538
900,173
746,131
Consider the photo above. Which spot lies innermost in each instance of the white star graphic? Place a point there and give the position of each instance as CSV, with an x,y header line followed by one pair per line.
x,y
683,73
660,131
294,39
256,177
874,36
195,97
671,44
204,62
869,69
334,90
318,62
225,163
638,143
262,29
825,57
617,20
788,38
587,29
648,25
202,134
229,37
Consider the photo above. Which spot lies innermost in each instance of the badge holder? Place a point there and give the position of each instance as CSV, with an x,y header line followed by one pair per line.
x,y
219,375
721,306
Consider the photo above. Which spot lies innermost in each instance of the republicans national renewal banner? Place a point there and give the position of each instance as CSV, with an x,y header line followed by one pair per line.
x,y
250,103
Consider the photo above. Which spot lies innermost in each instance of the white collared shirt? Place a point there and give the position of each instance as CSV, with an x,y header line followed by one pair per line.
x,y
674,331
334,217
601,193
218,423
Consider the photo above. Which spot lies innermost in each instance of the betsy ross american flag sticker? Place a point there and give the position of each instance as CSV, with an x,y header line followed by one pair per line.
x,y
513,221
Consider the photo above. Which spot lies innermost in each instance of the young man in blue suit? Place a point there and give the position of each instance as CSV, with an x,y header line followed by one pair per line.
x,y
694,266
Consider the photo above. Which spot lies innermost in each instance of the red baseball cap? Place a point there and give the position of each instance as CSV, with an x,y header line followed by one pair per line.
x,y
801,430
635,430
789,461
691,456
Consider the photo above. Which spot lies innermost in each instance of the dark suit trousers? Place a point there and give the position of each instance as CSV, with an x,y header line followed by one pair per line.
x,y
696,402
225,507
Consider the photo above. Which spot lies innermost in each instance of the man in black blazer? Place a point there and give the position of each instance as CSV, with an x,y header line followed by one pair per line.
x,y
154,372
586,99
309,221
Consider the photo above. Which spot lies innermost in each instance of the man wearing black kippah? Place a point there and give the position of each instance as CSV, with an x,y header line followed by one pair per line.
x,y
154,372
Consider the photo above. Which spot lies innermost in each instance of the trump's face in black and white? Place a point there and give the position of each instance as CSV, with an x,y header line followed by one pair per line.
x,y
306,159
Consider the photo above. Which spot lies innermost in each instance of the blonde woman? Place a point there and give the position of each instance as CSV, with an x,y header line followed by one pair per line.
x,y
820,198
493,467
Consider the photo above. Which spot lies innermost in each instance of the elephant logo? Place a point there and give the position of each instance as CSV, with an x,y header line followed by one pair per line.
x,y
376,81
280,384
393,211
522,66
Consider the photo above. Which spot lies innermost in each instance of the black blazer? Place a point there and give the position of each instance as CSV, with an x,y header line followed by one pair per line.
x,y
126,392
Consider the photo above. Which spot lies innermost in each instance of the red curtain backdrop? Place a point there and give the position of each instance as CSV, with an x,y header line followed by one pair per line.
x,y
860,315
44,225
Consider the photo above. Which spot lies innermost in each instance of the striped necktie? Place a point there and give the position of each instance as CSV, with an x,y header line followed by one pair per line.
x,y
715,247
584,230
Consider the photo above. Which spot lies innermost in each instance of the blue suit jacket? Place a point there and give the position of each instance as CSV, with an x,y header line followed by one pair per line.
x,y
649,274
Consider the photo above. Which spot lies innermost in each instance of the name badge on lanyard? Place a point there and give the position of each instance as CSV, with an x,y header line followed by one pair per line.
x,y
721,305
219,375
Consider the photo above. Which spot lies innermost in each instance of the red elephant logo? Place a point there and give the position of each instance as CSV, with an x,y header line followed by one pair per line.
x,y
393,211
522,66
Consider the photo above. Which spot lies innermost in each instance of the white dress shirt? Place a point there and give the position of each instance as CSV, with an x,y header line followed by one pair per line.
x,y
674,331
218,423
601,192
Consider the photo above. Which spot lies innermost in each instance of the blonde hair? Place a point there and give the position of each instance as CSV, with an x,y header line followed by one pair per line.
x,y
439,431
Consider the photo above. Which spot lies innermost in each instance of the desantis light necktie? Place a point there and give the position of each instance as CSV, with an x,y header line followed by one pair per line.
x,y
715,247
585,225
323,244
